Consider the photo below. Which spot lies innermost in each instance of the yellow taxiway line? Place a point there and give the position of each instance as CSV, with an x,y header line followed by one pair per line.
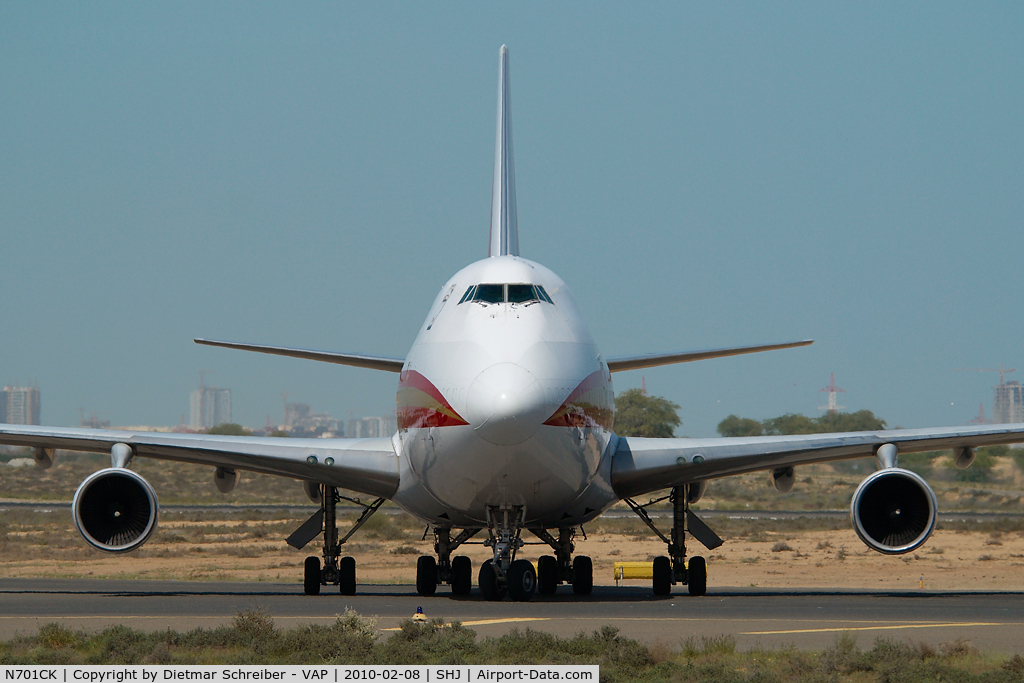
x,y
871,628
485,622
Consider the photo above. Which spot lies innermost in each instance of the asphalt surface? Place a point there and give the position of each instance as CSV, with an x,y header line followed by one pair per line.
x,y
766,617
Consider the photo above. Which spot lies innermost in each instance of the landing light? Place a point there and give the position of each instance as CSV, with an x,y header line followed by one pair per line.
x,y
311,460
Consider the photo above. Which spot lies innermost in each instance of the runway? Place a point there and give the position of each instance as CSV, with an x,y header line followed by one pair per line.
x,y
767,617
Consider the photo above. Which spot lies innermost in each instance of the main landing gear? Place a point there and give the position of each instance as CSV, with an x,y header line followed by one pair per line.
x,y
336,570
674,568
457,571
562,567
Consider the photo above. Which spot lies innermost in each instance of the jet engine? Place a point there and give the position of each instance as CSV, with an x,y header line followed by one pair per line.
x,y
783,479
225,479
115,510
894,511
695,491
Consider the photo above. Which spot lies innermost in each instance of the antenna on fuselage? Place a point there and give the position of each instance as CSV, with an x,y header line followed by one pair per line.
x,y
504,230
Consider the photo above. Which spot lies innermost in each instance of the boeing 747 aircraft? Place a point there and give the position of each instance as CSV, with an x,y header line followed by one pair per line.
x,y
505,424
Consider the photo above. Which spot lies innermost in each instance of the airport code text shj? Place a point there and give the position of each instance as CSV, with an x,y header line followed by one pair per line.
x,y
296,673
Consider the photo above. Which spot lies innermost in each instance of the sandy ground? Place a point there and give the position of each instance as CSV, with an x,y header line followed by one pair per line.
x,y
950,560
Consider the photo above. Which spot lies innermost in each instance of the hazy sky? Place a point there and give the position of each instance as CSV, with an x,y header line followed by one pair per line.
x,y
701,175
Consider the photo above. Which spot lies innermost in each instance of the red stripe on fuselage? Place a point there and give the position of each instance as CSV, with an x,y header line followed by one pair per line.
x,y
419,404
587,406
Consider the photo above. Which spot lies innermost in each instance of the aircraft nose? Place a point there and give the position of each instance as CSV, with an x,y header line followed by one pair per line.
x,y
506,404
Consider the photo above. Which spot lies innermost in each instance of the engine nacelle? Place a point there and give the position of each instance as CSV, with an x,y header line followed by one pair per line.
x,y
783,479
225,479
964,457
695,491
894,511
115,510
312,490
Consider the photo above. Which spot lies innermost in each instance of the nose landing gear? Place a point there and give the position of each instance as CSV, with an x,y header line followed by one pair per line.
x,y
504,571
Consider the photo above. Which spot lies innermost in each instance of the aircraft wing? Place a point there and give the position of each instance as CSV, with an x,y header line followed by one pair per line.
x,y
367,466
385,363
641,465
655,359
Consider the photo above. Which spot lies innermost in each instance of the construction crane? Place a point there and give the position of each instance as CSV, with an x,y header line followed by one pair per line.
x,y
1001,370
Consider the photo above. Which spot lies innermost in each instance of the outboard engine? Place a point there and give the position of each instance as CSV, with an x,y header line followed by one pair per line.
x,y
115,510
894,511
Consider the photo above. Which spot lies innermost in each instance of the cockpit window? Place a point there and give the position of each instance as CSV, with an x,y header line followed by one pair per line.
x,y
517,293
520,294
489,294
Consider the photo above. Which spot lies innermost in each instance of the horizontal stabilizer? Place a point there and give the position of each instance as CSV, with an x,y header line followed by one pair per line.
x,y
356,360
656,359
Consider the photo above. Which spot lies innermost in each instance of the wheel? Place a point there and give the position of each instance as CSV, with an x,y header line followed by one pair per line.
x,y
347,576
697,576
311,576
462,575
547,575
426,575
522,580
582,575
662,576
488,582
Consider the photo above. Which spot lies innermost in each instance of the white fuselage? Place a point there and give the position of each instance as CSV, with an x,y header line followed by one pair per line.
x,y
505,403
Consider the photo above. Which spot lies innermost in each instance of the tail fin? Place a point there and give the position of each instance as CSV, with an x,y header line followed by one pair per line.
x,y
504,231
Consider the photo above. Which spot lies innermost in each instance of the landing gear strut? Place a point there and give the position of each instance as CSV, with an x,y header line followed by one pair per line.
x,y
504,572
562,568
336,570
458,571
674,568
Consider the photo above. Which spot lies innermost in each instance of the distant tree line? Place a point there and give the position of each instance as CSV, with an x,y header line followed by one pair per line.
x,y
794,423
637,414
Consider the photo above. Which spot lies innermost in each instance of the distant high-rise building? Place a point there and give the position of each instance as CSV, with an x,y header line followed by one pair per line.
x,y
20,405
209,407
300,420
371,427
1008,405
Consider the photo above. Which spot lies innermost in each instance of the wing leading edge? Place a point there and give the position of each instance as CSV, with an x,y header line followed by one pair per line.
x,y
385,363
368,466
641,465
655,359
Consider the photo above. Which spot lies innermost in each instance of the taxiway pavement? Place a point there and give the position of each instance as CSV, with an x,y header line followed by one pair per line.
x,y
766,617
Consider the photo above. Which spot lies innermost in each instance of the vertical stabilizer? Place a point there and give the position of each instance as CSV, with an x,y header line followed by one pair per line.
x,y
504,231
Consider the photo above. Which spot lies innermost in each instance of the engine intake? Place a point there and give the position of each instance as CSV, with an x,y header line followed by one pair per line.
x,y
894,511
115,510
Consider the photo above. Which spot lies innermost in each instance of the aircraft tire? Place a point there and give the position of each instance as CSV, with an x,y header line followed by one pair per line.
x,y
347,576
582,575
662,576
697,576
522,580
547,575
426,575
311,576
462,575
487,579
